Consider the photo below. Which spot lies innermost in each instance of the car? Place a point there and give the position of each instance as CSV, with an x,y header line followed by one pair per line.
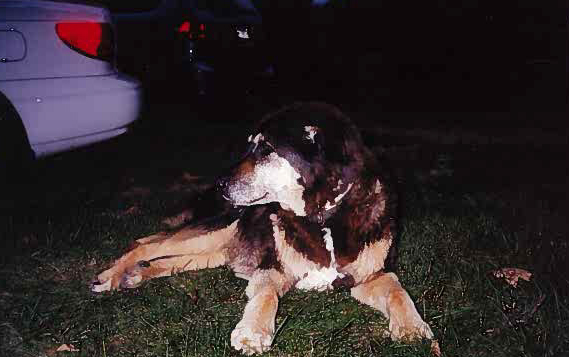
x,y
59,85
226,38
209,44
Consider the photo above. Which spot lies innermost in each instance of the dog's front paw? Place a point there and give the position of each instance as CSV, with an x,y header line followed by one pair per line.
x,y
115,278
106,281
250,339
98,286
409,328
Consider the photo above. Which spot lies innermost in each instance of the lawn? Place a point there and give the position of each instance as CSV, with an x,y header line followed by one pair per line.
x,y
466,211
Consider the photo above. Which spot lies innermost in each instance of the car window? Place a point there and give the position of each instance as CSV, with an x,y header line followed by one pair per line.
x,y
225,8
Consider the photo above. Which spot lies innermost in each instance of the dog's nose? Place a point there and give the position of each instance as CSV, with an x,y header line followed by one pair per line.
x,y
223,187
223,182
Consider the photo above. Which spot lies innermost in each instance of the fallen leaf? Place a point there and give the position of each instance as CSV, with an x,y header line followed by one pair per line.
x,y
512,275
130,210
50,352
435,348
66,348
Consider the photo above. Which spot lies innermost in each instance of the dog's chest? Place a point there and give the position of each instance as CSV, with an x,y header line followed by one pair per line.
x,y
312,274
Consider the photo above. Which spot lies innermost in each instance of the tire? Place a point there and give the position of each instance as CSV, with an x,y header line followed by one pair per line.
x,y
16,155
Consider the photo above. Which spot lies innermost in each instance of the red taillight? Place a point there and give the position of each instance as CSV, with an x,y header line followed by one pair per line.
x,y
92,39
186,28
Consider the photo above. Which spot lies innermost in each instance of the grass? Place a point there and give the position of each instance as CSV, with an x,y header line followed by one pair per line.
x,y
451,239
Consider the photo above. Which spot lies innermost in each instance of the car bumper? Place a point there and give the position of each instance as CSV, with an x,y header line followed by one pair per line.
x,y
209,79
60,114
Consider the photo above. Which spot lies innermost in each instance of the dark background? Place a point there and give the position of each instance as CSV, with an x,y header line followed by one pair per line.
x,y
466,55
442,55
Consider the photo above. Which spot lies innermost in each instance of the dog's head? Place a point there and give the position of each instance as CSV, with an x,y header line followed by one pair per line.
x,y
306,157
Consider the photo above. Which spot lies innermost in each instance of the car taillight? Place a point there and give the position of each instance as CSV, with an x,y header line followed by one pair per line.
x,y
92,39
193,31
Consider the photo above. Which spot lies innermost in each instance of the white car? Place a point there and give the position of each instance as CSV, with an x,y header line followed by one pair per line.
x,y
59,86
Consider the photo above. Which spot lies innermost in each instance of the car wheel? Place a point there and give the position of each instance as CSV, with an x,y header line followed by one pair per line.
x,y
16,155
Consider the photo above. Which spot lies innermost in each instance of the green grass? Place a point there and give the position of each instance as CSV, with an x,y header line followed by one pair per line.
x,y
450,242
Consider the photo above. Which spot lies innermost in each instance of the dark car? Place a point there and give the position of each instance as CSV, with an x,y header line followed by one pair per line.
x,y
199,45
224,40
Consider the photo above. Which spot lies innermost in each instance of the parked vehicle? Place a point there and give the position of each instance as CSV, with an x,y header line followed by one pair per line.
x,y
59,86
206,41
226,37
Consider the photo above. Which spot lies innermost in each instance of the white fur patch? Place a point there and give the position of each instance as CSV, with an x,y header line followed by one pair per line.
x,y
258,138
272,180
311,275
378,186
329,245
322,279
337,199
255,140
310,132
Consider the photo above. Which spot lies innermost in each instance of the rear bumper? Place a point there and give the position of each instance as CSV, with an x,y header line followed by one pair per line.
x,y
60,114
45,149
210,81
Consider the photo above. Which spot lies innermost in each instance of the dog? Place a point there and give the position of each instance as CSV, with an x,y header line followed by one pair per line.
x,y
307,207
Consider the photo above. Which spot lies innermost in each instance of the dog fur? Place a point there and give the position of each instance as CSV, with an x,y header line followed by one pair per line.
x,y
308,207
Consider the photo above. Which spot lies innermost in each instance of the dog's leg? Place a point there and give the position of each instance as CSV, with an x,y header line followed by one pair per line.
x,y
384,292
164,254
254,333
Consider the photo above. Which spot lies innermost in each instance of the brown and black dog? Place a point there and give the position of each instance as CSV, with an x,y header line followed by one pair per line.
x,y
308,207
